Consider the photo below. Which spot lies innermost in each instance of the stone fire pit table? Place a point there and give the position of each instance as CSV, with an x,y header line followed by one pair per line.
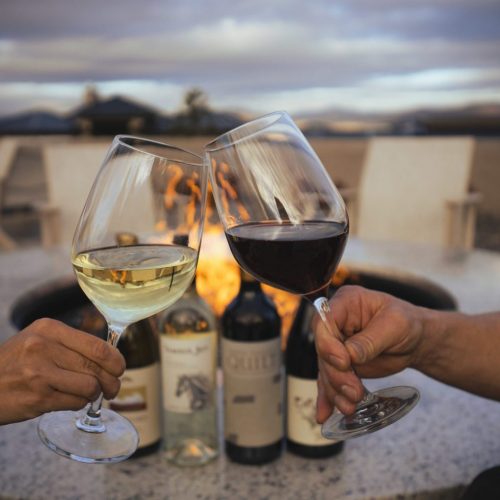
x,y
433,452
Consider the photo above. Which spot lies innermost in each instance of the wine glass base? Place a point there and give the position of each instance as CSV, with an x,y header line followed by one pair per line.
x,y
59,432
387,406
191,452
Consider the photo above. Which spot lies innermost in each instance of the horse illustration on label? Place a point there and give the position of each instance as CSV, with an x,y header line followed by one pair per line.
x,y
197,387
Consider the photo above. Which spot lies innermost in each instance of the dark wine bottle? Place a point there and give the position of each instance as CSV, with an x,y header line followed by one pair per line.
x,y
139,395
252,365
302,431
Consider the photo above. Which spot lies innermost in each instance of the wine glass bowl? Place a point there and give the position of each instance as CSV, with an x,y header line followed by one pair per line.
x,y
280,212
134,254
287,225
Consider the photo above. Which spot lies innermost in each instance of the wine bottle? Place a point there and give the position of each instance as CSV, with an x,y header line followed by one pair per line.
x,y
139,395
303,432
188,345
252,365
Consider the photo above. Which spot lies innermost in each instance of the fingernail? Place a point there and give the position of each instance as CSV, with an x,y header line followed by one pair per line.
x,y
349,392
358,350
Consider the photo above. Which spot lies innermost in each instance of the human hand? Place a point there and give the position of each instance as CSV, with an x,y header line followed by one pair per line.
x,y
50,366
382,335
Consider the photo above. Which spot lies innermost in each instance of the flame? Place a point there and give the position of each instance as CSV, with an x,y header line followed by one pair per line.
x,y
160,225
218,274
169,196
224,183
224,192
229,191
194,200
342,274
218,278
119,276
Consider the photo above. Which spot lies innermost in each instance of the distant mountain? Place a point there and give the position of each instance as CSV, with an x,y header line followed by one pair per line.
x,y
339,114
120,115
37,122
116,106
482,119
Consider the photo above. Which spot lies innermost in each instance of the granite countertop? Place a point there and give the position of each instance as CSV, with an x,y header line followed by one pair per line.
x,y
440,446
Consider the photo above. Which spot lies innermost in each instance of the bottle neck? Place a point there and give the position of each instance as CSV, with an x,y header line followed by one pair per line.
x,y
302,324
248,283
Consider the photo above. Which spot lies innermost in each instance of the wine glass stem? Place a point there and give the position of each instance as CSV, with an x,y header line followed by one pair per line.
x,y
91,421
322,305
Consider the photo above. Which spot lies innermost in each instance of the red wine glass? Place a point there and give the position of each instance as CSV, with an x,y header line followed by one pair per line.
x,y
287,225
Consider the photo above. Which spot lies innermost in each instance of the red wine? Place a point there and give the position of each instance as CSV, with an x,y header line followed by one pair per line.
x,y
298,258
251,361
303,433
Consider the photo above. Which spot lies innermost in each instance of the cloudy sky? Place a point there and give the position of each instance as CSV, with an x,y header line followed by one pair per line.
x,y
252,55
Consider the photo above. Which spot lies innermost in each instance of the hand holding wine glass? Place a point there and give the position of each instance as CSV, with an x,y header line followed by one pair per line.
x,y
50,366
154,193
384,335
287,225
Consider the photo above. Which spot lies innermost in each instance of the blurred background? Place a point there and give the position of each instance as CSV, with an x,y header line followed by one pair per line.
x,y
185,71
345,67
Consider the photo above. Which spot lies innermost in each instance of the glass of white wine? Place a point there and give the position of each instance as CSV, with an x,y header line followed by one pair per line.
x,y
153,193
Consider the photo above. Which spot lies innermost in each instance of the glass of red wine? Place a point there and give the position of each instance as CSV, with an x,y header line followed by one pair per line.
x,y
287,225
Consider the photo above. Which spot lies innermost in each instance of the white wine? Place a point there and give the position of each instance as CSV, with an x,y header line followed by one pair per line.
x,y
130,283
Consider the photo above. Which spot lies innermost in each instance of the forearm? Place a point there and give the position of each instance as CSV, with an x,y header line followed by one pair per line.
x,y
462,350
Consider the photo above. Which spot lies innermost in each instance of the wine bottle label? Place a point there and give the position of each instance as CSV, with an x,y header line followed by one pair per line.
x,y
139,401
252,392
302,427
188,371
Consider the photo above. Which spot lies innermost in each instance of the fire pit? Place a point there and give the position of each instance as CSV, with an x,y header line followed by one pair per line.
x,y
63,300
60,299
418,291
218,281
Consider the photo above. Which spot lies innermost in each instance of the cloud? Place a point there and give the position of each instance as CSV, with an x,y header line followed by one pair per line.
x,y
420,18
250,52
438,79
62,97
363,98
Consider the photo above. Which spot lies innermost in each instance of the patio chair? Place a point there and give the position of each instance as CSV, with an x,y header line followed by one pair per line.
x,y
8,150
70,170
417,190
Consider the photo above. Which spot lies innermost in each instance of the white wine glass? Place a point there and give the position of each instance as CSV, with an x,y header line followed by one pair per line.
x,y
287,225
134,253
